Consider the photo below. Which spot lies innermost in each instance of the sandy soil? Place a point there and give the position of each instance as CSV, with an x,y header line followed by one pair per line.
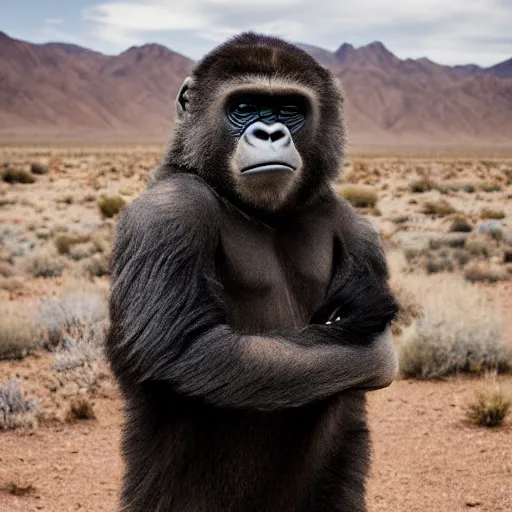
x,y
426,457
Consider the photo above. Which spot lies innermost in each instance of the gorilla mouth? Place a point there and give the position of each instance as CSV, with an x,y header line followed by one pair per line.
x,y
270,166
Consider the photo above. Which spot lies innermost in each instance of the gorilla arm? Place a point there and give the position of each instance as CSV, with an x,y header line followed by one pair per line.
x,y
168,320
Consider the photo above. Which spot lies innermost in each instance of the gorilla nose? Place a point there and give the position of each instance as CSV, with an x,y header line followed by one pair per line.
x,y
266,136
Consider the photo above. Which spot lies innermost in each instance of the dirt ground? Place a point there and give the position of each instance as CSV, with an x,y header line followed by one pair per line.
x,y
426,457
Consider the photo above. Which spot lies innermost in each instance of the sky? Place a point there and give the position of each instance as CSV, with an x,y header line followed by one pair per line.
x,y
445,31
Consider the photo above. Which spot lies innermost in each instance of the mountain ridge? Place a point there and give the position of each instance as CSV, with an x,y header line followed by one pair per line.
x,y
66,91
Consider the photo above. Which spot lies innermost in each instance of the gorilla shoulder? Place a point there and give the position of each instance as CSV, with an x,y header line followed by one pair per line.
x,y
181,205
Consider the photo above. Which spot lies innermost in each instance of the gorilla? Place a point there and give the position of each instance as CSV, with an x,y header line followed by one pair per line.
x,y
250,306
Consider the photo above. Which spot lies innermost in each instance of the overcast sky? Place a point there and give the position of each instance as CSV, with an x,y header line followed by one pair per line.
x,y
446,31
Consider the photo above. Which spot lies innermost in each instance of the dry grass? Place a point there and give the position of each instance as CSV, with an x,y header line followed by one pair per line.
x,y
459,330
15,410
483,271
491,405
440,207
359,196
81,408
19,334
45,263
490,213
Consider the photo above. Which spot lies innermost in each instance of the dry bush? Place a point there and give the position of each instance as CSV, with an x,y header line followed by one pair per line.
x,y
63,243
19,333
490,186
491,406
459,330
15,410
97,265
359,196
477,245
11,175
37,168
80,305
110,205
45,263
440,207
460,225
489,213
81,409
421,185
483,271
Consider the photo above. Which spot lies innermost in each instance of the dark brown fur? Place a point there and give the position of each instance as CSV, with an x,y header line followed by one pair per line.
x,y
238,397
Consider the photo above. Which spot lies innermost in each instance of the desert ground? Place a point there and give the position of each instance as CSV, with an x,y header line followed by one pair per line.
x,y
446,223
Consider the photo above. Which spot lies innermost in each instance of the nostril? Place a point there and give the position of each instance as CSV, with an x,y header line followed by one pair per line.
x,y
261,134
277,135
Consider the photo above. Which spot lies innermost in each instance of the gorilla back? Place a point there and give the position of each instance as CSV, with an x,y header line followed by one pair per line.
x,y
239,395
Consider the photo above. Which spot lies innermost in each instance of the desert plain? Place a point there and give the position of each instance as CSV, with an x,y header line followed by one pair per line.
x,y
441,432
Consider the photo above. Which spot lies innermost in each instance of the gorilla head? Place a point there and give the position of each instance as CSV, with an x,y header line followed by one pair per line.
x,y
261,121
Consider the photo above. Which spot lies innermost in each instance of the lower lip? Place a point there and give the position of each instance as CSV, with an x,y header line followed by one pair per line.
x,y
269,167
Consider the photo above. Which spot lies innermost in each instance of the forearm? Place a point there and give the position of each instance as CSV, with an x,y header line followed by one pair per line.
x,y
265,373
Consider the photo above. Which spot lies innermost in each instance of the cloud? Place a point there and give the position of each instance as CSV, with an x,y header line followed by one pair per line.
x,y
53,21
449,31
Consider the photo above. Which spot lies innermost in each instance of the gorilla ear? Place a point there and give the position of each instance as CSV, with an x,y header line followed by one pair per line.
x,y
183,98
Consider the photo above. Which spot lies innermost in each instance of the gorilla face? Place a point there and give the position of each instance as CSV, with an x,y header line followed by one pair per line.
x,y
260,123
266,164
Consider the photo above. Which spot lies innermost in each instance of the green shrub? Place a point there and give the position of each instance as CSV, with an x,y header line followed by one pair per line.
x,y
37,168
11,175
359,196
421,185
460,225
63,243
110,205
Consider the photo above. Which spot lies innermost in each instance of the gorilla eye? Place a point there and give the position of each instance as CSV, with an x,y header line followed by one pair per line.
x,y
241,113
292,116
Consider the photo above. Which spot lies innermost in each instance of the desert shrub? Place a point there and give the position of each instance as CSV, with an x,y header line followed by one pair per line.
x,y
489,213
490,407
78,306
490,186
507,256
462,257
477,245
360,196
63,243
14,408
110,205
19,333
45,263
400,219
11,175
97,265
421,185
460,225
481,271
443,264
37,168
459,330
81,408
469,188
441,208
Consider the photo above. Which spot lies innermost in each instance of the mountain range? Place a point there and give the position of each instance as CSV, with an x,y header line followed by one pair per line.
x,y
63,91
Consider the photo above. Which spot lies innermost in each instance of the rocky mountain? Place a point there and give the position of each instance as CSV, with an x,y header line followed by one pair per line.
x,y
63,90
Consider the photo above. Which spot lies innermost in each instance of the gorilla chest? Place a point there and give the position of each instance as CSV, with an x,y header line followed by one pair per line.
x,y
273,279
